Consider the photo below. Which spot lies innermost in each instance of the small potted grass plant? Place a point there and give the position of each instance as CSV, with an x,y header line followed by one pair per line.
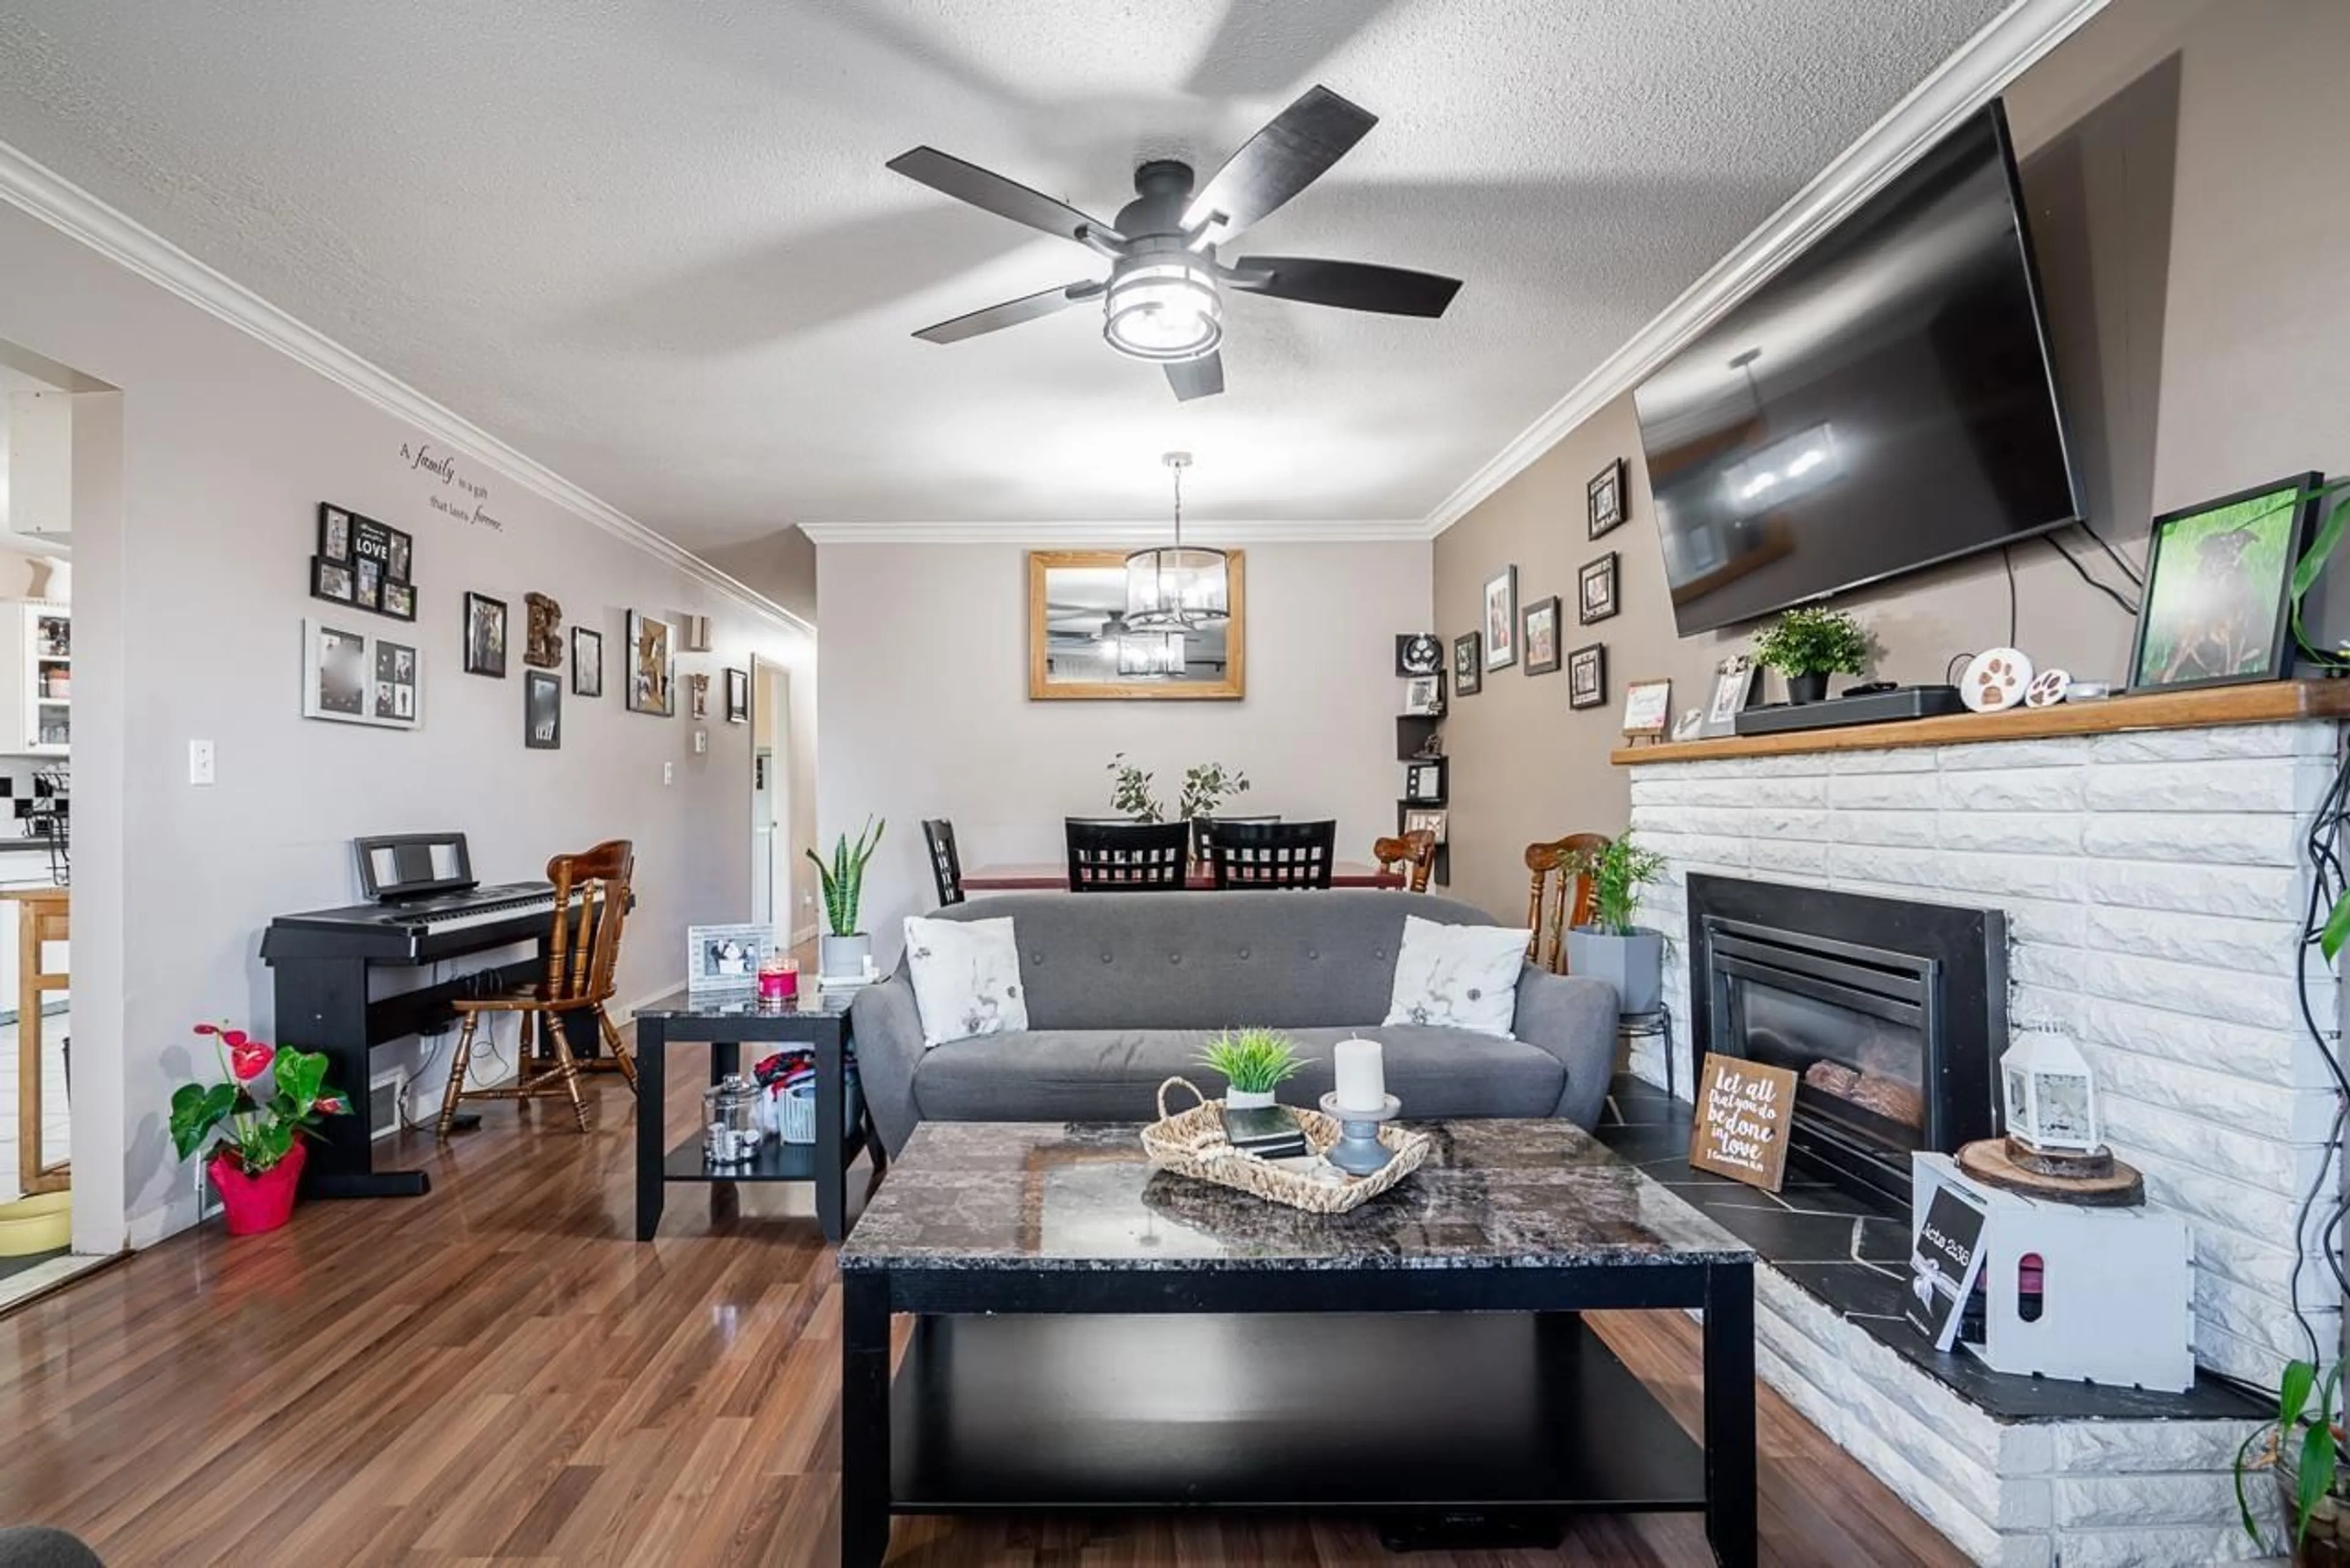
x,y
2303,1446
1611,947
1809,644
1255,1063
842,955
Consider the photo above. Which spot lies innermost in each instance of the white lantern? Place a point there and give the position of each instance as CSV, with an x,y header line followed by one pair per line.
x,y
2051,1095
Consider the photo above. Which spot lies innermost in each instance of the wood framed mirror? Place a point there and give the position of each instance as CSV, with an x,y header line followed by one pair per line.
x,y
1078,650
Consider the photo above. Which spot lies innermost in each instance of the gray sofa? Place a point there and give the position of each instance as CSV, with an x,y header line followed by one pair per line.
x,y
1124,990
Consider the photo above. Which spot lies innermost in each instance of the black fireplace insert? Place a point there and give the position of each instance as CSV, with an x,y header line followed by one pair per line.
x,y
1890,1013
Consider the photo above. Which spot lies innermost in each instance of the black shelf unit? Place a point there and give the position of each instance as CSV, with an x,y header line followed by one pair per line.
x,y
1413,731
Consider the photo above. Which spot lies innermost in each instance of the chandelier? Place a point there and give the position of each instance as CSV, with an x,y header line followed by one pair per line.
x,y
1179,587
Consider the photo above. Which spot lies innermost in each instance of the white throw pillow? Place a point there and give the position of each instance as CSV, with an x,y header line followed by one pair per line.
x,y
1461,977
966,977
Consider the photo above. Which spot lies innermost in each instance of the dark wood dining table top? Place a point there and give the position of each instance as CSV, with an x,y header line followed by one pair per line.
x,y
1044,875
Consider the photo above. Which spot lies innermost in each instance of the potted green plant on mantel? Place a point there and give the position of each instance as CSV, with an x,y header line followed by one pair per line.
x,y
1611,947
843,954
1255,1063
2303,1446
1810,644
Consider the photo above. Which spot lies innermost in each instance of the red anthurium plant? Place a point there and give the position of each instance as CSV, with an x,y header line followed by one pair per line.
x,y
257,1121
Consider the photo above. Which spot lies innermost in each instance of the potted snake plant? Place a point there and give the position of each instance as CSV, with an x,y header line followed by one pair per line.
x,y
1611,947
843,954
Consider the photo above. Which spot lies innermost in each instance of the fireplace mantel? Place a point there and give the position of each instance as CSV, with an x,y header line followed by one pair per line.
x,y
2260,702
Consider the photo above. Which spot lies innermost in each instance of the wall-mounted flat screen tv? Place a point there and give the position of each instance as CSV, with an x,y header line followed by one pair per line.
x,y
1882,404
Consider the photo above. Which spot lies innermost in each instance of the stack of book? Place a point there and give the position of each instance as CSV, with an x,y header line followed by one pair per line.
x,y
1269,1132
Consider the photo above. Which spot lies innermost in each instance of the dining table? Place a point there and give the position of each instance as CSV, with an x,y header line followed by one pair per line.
x,y
1047,875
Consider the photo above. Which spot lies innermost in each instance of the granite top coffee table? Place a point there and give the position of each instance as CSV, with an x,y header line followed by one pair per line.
x,y
1091,1335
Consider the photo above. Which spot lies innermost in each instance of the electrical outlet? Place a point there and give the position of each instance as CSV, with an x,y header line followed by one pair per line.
x,y
199,762
668,772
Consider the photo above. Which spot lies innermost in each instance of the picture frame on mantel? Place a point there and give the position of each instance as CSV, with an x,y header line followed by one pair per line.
x,y
1076,598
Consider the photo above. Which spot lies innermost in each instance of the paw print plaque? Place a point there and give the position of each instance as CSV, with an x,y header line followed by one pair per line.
x,y
1995,681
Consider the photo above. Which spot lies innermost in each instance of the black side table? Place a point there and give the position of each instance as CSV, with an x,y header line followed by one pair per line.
x,y
821,1021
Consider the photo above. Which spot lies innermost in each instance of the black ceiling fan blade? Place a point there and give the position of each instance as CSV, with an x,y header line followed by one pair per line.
x,y
1348,285
1296,148
1011,313
951,176
1201,377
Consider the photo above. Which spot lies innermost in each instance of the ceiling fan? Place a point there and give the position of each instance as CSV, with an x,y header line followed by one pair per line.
x,y
1161,300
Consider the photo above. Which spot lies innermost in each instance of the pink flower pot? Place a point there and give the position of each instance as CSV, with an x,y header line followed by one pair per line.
x,y
257,1203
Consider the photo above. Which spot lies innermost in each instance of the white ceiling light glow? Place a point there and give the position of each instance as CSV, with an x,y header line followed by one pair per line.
x,y
1165,309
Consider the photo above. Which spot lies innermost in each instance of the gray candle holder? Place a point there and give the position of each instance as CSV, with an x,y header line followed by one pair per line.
x,y
1358,1151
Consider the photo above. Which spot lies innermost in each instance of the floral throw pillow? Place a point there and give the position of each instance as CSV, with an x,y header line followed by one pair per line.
x,y
1459,977
966,977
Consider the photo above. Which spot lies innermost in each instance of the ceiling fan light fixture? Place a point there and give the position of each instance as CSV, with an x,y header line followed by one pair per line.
x,y
1163,308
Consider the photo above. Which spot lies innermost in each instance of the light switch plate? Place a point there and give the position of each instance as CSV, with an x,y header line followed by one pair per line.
x,y
700,742
668,772
199,762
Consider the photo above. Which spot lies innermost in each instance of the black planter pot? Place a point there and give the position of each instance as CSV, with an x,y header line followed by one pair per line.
x,y
1812,685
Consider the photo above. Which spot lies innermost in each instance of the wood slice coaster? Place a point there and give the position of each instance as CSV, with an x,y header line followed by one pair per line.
x,y
1994,1160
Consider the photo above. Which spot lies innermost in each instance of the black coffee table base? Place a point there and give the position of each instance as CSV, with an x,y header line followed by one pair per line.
x,y
1414,1396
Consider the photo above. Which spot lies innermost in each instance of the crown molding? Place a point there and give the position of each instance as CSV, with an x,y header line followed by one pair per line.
x,y
1148,531
1980,70
76,212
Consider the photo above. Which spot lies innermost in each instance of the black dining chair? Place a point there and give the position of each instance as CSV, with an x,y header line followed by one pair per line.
x,y
1127,857
1271,854
946,866
1199,826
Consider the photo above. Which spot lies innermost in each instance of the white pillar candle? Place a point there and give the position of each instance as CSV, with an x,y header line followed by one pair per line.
x,y
1362,1083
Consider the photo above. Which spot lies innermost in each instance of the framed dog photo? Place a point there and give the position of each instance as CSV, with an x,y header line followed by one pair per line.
x,y
1468,664
1586,676
1734,680
1606,492
2219,588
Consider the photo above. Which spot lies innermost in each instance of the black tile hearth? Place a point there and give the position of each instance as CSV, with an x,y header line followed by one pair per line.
x,y
1853,1259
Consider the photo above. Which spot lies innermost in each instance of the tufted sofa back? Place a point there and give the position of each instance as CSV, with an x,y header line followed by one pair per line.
x,y
1286,959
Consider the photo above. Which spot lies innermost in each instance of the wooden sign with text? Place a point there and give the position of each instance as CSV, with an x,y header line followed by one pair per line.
x,y
1744,1109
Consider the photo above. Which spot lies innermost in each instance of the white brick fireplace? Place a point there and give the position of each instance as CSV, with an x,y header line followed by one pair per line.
x,y
2153,884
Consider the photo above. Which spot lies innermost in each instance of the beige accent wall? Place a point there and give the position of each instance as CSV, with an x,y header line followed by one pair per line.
x,y
924,707
2179,158
781,564
203,476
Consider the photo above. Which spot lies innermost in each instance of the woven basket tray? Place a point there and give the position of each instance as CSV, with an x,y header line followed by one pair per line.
x,y
1192,1142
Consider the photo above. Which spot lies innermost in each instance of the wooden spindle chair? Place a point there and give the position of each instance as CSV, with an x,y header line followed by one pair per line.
x,y
1127,857
946,865
1271,854
1414,851
1560,897
583,951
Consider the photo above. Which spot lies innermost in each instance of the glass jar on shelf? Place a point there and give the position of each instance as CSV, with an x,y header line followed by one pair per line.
x,y
730,1120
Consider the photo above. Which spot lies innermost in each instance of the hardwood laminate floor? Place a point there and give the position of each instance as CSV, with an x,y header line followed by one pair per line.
x,y
497,1374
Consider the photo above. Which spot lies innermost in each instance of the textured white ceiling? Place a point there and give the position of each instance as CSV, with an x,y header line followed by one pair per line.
x,y
653,245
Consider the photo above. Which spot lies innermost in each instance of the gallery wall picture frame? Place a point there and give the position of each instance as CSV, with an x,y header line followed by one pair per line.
x,y
1587,676
350,676
651,667
738,696
1541,639
1423,782
400,568
486,636
366,582
542,647
1735,680
586,662
542,709
1595,586
334,534
1426,818
1604,494
1423,696
1468,664
1419,653
330,580
399,600
697,696
2217,607
1501,624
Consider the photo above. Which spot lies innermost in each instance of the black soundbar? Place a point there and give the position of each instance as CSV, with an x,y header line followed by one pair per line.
x,y
1868,708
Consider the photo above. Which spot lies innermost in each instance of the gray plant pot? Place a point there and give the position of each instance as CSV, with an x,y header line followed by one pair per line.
x,y
838,958
1634,965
